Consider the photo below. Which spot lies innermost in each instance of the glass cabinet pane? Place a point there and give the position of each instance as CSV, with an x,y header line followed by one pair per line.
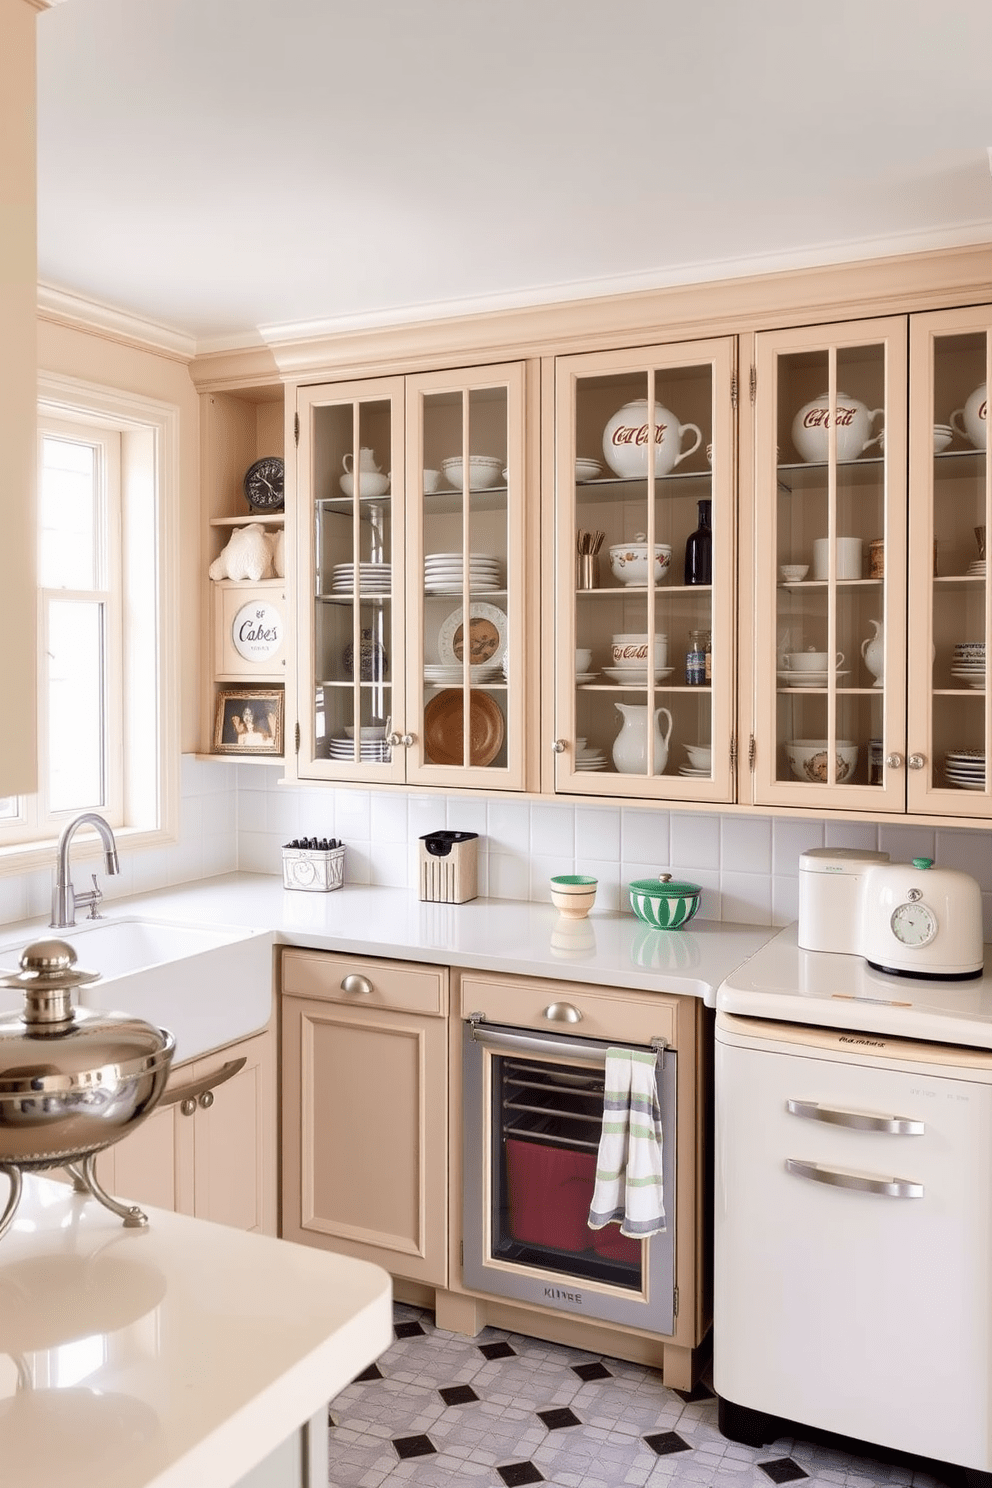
x,y
355,538
959,596
830,566
645,528
466,556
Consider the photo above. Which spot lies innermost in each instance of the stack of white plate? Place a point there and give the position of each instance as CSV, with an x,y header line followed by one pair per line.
x,y
373,578
976,570
440,675
581,678
370,751
696,774
968,664
965,768
587,757
443,573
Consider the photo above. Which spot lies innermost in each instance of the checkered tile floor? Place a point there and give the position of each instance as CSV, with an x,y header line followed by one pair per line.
x,y
440,1410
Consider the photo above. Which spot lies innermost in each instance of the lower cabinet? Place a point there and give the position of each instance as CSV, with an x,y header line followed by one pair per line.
x,y
365,1110
209,1149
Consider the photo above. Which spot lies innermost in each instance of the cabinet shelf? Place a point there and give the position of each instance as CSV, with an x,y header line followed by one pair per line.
x,y
449,503
271,519
349,683
612,591
349,598
674,478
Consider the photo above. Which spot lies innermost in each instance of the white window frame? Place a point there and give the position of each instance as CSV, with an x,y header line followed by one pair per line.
x,y
144,743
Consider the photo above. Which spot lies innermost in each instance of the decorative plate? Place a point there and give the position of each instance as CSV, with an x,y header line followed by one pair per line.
x,y
443,728
487,635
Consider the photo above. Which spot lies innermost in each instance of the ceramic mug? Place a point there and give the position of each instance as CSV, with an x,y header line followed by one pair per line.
x,y
849,557
432,480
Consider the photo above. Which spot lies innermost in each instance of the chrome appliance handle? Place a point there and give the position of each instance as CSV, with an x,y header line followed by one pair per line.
x,y
533,1043
889,1188
899,1126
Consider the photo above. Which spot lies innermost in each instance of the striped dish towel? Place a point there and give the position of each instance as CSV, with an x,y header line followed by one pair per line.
x,y
629,1163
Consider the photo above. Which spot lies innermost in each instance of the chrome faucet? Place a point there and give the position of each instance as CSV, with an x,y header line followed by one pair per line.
x,y
64,898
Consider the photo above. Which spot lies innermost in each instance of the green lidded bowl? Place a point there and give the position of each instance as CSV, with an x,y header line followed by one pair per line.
x,y
663,903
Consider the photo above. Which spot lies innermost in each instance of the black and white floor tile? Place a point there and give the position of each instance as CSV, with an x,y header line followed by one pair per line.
x,y
438,1410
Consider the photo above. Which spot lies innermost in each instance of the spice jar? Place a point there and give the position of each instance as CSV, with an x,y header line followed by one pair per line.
x,y
698,659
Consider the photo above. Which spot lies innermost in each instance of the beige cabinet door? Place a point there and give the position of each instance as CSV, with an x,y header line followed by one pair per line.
x,y
211,1151
364,1134
644,650
950,614
829,529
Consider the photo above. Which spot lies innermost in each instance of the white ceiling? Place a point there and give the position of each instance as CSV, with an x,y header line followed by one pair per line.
x,y
225,167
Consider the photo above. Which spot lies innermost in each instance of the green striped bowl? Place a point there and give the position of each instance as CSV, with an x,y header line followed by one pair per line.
x,y
662,902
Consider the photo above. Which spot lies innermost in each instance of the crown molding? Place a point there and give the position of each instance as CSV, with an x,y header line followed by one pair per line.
x,y
66,308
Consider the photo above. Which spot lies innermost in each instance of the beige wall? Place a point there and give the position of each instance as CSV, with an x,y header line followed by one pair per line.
x,y
67,351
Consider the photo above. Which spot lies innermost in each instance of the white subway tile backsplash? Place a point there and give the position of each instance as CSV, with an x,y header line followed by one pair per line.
x,y
552,832
352,816
905,842
597,836
508,826
389,821
509,876
746,841
695,842
789,839
645,835
746,897
851,834
969,852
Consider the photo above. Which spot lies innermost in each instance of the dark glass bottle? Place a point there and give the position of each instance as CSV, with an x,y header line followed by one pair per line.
x,y
699,549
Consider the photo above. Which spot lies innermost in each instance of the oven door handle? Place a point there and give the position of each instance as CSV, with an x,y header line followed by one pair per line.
x,y
899,1126
533,1043
889,1188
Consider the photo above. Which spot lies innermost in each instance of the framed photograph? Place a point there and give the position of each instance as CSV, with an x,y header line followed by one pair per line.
x,y
249,720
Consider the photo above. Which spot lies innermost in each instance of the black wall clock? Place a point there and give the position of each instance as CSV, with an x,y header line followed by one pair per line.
x,y
264,484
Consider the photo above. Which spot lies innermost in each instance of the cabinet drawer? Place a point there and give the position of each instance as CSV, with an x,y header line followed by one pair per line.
x,y
604,1013
403,985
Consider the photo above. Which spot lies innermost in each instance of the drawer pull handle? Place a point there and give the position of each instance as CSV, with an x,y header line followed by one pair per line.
x,y
187,1095
897,1126
357,984
562,1012
888,1188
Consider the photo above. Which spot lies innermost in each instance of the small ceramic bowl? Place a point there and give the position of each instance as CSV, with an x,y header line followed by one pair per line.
x,y
793,573
374,483
629,562
573,894
942,436
700,756
809,760
663,903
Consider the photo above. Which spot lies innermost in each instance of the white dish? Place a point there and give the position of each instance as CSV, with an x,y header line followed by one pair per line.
x,y
635,676
581,678
691,771
487,635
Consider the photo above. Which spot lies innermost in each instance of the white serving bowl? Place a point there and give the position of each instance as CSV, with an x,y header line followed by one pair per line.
x,y
483,471
632,650
374,483
793,573
700,756
629,562
808,759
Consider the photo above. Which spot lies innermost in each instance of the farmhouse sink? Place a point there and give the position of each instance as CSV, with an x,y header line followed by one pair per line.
x,y
208,984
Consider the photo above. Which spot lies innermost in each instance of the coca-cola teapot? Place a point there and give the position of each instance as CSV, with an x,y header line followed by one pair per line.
x,y
626,438
853,421
975,414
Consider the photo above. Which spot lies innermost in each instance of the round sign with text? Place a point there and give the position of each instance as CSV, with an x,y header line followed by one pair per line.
x,y
257,631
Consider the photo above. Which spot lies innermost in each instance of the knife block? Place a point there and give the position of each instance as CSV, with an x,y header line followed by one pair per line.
x,y
449,867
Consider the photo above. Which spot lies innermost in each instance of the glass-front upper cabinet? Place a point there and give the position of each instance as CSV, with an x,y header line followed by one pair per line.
x,y
466,568
950,613
351,592
644,602
830,567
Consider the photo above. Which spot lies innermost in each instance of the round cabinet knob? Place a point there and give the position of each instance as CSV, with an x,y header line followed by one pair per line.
x,y
894,761
916,761
558,747
206,1100
394,740
562,1012
358,985
188,1106
407,740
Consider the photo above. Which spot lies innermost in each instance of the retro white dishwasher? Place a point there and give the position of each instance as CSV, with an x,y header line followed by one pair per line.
x,y
853,1205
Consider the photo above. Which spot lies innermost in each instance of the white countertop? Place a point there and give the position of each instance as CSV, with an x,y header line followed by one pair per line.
x,y
513,936
829,990
169,1357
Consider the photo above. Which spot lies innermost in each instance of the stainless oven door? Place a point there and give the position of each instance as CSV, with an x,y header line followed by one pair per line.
x,y
532,1116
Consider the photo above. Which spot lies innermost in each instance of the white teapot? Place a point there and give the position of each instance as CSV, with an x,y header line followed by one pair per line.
x,y
975,414
366,462
626,437
811,428
873,652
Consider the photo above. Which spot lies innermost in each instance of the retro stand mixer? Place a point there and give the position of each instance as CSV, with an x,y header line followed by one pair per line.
x,y
907,919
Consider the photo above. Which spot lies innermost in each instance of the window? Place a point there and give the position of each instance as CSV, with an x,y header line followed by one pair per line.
x,y
107,693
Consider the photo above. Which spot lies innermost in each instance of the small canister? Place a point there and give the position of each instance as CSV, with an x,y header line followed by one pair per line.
x,y
876,558
698,659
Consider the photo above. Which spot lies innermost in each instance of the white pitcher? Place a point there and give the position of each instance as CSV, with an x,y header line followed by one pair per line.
x,y
630,747
366,462
873,652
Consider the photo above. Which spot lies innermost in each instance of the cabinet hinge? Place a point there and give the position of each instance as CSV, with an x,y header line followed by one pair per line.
x,y
675,1302
754,383
461,1252
733,751
733,391
296,427
297,737
751,751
